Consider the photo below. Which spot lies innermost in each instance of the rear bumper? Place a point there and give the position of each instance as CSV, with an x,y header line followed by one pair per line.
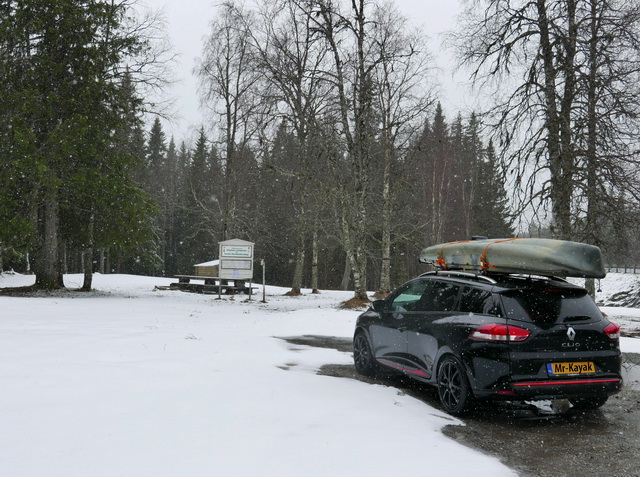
x,y
563,388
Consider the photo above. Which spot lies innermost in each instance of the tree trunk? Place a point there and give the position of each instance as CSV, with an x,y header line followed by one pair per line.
x,y
590,285
88,269
101,254
107,262
48,274
314,263
357,262
591,231
385,272
297,275
301,231
558,130
88,256
346,274
591,219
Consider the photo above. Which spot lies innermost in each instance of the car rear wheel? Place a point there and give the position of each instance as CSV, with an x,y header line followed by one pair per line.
x,y
453,387
587,404
363,357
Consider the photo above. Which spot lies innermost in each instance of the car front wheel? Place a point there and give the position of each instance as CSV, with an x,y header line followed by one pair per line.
x,y
363,357
453,387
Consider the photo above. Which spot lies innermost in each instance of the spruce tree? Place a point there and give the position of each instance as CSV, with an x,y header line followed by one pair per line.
x,y
64,98
157,183
490,208
202,205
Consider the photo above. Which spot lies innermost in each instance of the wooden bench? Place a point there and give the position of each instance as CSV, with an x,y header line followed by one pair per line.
x,y
212,285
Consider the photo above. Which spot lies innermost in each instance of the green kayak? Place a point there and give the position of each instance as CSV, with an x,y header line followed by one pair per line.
x,y
518,255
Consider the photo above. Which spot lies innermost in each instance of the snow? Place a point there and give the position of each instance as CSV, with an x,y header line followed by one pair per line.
x,y
133,381
211,263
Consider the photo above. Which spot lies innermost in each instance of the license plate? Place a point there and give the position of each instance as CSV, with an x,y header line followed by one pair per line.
x,y
562,369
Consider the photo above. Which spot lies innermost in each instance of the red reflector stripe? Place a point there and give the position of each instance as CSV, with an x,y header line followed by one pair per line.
x,y
577,381
401,368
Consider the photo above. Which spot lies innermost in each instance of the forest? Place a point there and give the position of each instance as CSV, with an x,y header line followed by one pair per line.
x,y
325,144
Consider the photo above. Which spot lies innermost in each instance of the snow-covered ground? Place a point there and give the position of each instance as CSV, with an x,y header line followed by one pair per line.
x,y
133,381
128,381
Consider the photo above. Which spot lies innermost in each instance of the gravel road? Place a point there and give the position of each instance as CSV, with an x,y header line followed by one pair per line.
x,y
536,442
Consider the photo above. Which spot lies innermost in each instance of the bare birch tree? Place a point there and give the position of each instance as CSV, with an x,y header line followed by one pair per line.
x,y
229,82
607,170
292,58
570,117
516,43
404,92
348,36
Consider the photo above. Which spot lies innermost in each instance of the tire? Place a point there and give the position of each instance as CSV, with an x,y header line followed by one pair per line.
x,y
363,357
589,404
454,390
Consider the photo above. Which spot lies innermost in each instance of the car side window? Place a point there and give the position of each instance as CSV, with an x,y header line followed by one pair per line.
x,y
440,296
408,298
477,301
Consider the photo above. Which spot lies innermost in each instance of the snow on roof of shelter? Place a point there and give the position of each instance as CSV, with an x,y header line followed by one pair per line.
x,y
208,264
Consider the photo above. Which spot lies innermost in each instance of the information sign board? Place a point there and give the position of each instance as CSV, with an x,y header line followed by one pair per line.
x,y
240,251
236,259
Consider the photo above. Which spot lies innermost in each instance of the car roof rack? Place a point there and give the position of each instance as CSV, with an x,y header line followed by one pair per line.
x,y
537,276
454,273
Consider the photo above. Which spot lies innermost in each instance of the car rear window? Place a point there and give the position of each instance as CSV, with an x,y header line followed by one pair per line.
x,y
548,306
477,301
439,296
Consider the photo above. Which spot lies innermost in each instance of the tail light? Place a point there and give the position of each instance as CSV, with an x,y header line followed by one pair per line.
x,y
502,333
612,331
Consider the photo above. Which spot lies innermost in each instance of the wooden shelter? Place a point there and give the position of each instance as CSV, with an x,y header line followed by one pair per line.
x,y
207,269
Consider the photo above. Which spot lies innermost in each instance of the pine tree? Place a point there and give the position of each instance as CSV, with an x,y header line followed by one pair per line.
x,y
472,155
156,160
173,202
156,180
184,262
490,207
65,97
459,176
276,208
202,205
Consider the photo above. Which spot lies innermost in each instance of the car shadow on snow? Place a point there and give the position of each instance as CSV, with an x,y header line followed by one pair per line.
x,y
546,439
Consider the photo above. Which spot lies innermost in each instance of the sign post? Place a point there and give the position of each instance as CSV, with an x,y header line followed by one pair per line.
x,y
236,262
264,293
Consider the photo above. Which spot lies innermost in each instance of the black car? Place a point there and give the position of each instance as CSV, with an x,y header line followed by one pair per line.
x,y
503,337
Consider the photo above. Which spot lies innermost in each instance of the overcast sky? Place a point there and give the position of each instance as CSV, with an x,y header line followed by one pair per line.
x,y
188,23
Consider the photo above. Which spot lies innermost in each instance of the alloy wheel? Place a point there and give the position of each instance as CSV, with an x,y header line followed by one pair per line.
x,y
362,356
361,352
453,388
449,385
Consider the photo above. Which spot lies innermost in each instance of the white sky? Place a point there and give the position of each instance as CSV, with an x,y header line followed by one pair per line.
x,y
188,21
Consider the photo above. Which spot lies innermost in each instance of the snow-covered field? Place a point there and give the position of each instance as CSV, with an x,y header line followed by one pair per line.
x,y
128,381
132,381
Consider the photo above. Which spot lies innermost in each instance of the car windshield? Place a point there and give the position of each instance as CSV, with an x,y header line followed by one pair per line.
x,y
548,306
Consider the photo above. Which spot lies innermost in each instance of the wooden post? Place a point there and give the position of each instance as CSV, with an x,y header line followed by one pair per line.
x,y
263,281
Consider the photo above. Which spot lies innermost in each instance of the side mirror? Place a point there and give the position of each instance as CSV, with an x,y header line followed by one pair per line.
x,y
379,305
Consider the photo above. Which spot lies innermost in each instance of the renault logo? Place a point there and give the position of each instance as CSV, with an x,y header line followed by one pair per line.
x,y
571,334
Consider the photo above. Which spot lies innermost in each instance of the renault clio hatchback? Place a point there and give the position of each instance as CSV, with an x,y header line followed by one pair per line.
x,y
480,338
